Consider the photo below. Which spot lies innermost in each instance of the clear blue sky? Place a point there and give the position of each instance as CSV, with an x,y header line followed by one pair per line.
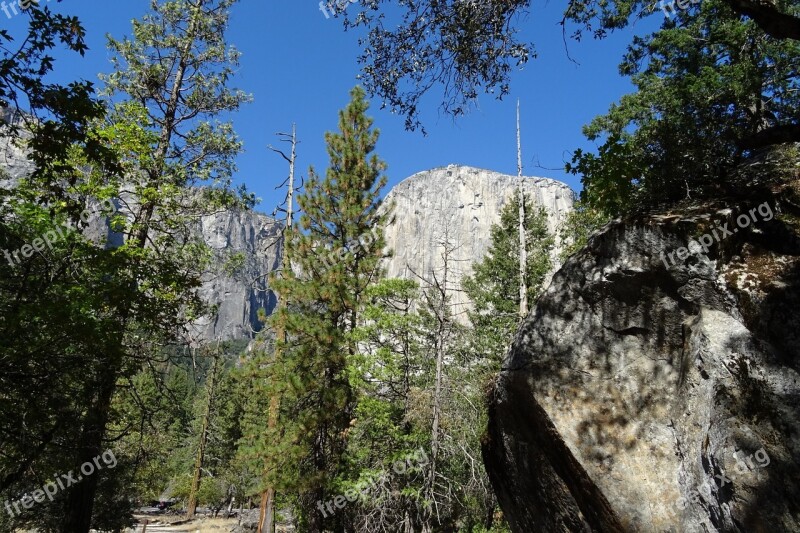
x,y
299,67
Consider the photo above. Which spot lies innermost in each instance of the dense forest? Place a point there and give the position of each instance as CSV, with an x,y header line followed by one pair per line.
x,y
360,404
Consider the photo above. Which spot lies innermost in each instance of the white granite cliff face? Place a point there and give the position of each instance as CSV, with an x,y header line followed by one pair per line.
x,y
458,204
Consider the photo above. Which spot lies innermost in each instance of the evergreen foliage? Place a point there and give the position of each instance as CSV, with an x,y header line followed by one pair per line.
x,y
370,380
493,287
709,88
466,47
334,254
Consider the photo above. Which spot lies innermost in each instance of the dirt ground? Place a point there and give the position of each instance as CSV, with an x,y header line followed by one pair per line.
x,y
200,525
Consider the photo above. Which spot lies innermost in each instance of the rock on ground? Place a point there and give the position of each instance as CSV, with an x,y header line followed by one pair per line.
x,y
644,396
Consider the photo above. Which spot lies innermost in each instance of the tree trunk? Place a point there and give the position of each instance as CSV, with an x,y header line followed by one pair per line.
x,y
523,249
191,507
80,499
266,514
442,319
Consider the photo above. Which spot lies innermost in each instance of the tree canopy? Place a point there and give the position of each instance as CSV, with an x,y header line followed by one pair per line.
x,y
468,47
716,85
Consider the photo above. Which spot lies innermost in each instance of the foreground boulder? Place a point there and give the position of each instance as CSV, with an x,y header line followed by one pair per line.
x,y
645,393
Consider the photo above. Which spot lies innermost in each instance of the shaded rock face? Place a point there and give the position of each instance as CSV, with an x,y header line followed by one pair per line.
x,y
13,158
458,204
642,395
238,292
235,293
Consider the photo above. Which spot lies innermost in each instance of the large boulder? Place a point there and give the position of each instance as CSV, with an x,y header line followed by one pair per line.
x,y
645,393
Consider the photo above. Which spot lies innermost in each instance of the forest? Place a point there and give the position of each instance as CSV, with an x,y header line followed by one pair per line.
x,y
363,401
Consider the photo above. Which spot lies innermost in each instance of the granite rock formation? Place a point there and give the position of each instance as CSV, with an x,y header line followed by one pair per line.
x,y
645,394
458,204
14,160
238,293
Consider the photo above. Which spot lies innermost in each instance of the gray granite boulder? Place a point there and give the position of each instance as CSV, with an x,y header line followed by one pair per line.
x,y
645,393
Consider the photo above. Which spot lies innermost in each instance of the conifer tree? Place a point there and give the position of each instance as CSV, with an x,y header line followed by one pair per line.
x,y
387,377
334,252
191,506
493,286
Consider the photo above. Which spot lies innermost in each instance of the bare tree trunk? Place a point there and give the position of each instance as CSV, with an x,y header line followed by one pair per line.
x,y
438,386
266,514
523,249
443,319
230,507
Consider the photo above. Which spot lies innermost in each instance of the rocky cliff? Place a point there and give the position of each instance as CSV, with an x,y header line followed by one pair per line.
x,y
458,204
238,286
14,161
656,385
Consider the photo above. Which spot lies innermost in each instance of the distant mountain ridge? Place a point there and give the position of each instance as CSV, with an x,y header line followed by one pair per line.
x,y
456,201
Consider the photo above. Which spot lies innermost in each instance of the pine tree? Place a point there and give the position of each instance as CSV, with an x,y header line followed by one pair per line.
x,y
387,377
335,253
580,224
494,284
200,461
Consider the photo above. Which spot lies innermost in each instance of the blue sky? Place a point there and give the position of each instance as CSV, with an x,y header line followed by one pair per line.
x,y
299,67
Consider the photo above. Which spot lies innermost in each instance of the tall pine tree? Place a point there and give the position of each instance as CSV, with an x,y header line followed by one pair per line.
x,y
335,254
169,87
